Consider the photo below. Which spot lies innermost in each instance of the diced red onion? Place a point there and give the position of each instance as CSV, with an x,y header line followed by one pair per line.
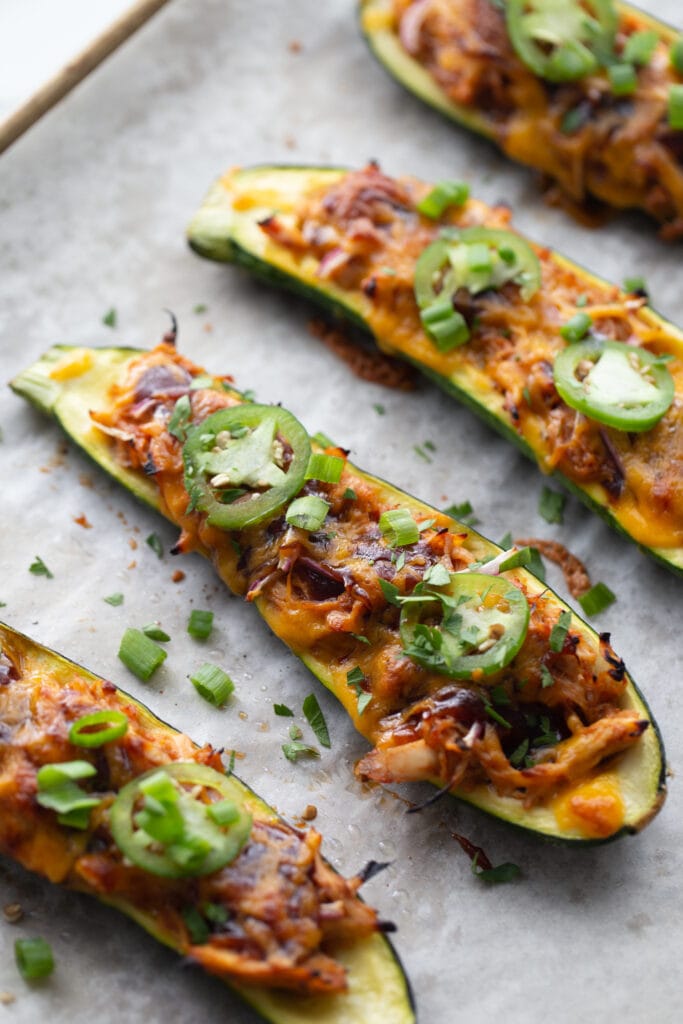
x,y
411,25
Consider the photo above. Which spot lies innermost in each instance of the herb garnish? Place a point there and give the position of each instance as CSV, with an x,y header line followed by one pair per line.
x,y
180,418
283,711
114,600
354,678
109,319
464,513
154,631
546,677
294,751
154,541
558,633
551,505
316,720
597,599
501,873
38,568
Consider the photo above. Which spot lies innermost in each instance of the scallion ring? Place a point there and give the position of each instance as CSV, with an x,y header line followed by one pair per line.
x,y
98,728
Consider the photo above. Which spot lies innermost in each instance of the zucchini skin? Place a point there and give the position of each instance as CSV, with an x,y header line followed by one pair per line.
x,y
386,47
271,1005
645,773
219,232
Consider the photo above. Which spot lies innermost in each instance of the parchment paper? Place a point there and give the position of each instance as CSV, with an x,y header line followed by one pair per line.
x,y
95,200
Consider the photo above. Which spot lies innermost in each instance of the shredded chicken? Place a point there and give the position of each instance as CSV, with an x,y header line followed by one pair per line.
x,y
324,595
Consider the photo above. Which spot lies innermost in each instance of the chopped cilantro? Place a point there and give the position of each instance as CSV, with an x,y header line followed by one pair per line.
x,y
295,732
201,307
180,418
154,541
492,713
519,753
546,677
559,632
379,408
38,568
283,711
551,505
390,591
114,600
349,494
419,450
463,512
294,751
316,720
501,873
109,319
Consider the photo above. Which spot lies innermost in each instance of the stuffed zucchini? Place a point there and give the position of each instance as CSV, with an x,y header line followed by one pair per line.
x,y
458,665
584,378
589,92
101,796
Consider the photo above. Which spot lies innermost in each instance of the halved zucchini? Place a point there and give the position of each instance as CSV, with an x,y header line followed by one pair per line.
x,y
378,991
550,127
68,382
226,228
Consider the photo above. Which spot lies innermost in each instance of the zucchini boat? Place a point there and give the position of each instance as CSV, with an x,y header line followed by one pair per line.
x,y
456,663
589,92
261,909
425,272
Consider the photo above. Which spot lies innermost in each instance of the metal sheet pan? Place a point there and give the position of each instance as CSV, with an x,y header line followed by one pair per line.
x,y
94,205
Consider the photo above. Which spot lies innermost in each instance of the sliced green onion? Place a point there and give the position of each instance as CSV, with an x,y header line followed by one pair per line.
x,y
399,527
140,654
551,505
200,624
33,958
577,328
639,47
308,513
316,720
597,599
445,326
623,79
479,258
444,195
154,631
98,728
676,55
676,106
558,633
57,791
326,468
212,683
516,559
223,812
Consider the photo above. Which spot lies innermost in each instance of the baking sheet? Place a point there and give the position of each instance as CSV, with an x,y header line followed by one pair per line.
x,y
94,205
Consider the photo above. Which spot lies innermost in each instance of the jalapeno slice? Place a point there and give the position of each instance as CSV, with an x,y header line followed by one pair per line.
x,y
475,624
244,463
620,385
562,40
181,820
476,259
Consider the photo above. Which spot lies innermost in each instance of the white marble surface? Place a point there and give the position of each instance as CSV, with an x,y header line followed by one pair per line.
x,y
94,202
